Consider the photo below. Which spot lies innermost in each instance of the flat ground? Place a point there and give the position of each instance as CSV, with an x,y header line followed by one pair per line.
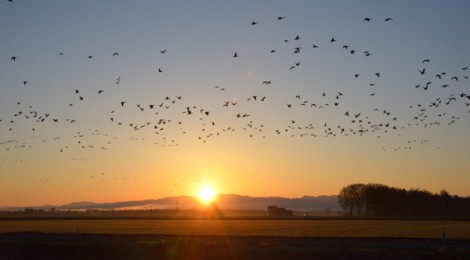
x,y
245,227
233,239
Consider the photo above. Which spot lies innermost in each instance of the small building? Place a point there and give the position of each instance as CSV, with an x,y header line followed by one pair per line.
x,y
274,211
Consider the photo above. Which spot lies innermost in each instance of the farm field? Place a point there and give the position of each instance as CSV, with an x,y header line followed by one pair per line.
x,y
233,239
432,229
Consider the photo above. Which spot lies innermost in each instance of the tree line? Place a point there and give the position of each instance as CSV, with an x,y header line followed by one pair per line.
x,y
377,200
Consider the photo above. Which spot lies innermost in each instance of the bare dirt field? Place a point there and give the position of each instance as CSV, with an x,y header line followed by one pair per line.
x,y
233,239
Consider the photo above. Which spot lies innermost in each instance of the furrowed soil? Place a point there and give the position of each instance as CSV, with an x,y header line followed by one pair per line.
x,y
233,239
33,245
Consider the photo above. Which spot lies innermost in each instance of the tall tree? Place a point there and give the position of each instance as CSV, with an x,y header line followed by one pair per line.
x,y
378,200
352,199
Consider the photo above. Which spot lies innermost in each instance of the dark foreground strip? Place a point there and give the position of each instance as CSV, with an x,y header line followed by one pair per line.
x,y
34,245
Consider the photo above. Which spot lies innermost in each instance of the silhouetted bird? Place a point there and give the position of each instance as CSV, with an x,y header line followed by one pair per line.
x,y
235,55
281,18
388,19
254,23
13,58
450,99
367,19
115,54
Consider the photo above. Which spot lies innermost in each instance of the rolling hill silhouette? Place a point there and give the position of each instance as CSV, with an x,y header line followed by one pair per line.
x,y
224,201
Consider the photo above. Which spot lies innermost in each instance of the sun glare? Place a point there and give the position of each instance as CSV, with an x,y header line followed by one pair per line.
x,y
206,194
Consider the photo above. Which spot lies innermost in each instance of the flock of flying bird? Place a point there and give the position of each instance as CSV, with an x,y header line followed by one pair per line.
x,y
154,117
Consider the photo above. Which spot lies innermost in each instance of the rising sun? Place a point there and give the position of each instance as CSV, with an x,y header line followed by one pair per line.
x,y
206,193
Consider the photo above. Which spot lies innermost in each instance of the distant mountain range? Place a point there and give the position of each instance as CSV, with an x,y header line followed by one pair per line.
x,y
224,201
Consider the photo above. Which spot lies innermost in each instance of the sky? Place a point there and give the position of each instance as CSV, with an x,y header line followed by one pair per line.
x,y
125,100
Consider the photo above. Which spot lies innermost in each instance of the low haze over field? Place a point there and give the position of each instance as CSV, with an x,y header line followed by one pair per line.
x,y
129,100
